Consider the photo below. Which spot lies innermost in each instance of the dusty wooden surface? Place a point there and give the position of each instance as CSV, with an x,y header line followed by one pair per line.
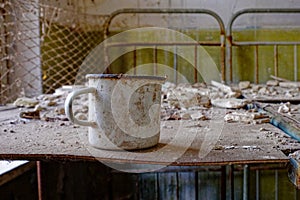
x,y
183,142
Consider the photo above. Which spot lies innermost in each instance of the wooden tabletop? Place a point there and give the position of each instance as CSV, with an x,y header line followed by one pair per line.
x,y
182,142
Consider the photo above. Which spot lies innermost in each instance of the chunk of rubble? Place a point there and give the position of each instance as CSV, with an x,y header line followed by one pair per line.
x,y
185,116
184,99
246,117
230,92
244,85
80,116
174,116
264,91
167,86
272,83
60,110
30,114
26,102
230,103
256,88
284,108
289,84
198,116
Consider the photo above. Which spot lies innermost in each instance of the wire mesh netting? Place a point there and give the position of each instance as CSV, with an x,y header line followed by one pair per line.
x,y
42,46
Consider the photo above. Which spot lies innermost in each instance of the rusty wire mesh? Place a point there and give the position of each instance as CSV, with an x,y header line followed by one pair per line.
x,y
42,46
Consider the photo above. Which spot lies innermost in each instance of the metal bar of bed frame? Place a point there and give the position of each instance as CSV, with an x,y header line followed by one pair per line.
x,y
221,43
230,41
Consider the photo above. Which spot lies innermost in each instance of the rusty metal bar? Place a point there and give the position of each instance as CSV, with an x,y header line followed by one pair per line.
x,y
174,11
175,65
258,10
39,179
295,63
196,64
256,71
265,43
155,60
134,61
276,60
229,55
163,44
162,11
223,57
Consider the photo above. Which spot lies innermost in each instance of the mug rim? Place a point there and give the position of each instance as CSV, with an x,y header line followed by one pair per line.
x,y
125,76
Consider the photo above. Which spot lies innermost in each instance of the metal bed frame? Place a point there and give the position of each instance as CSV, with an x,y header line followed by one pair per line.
x,y
231,42
220,43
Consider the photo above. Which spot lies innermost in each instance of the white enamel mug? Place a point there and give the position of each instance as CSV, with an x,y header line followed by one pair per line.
x,y
124,110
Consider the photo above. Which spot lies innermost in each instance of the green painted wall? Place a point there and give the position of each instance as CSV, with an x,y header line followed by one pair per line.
x,y
243,57
64,49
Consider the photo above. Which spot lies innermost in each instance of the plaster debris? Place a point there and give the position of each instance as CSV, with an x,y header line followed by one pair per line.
x,y
247,117
80,116
60,110
284,108
251,148
290,84
263,129
199,116
186,116
38,108
229,91
30,114
295,155
244,85
230,103
51,103
264,91
26,102
272,83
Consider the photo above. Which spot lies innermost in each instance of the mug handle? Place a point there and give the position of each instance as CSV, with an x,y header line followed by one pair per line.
x,y
69,107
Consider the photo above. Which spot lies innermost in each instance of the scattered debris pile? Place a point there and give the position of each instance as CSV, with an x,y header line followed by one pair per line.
x,y
50,107
193,102
280,88
181,102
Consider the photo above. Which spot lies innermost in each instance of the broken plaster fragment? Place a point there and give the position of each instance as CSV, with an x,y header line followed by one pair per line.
x,y
247,117
263,129
244,85
284,108
230,103
30,115
272,83
25,102
186,116
199,116
289,84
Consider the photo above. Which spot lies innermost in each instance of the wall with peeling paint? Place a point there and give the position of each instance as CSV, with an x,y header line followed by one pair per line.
x,y
223,8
